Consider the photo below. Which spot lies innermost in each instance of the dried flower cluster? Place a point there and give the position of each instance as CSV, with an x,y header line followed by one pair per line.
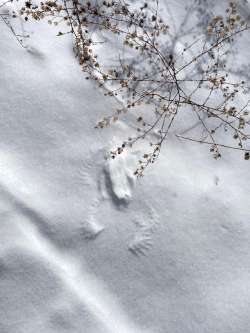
x,y
154,75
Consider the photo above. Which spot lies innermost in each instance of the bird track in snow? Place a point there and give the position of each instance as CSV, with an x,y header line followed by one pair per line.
x,y
143,238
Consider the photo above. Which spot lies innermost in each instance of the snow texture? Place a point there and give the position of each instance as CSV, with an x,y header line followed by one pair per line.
x,y
85,247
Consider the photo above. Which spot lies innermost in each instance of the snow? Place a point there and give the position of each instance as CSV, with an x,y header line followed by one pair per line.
x,y
120,174
87,248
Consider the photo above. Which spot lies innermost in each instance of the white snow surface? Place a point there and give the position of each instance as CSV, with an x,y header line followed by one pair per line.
x,y
87,248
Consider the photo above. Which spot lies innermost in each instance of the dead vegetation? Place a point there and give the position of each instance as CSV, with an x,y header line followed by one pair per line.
x,y
196,80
